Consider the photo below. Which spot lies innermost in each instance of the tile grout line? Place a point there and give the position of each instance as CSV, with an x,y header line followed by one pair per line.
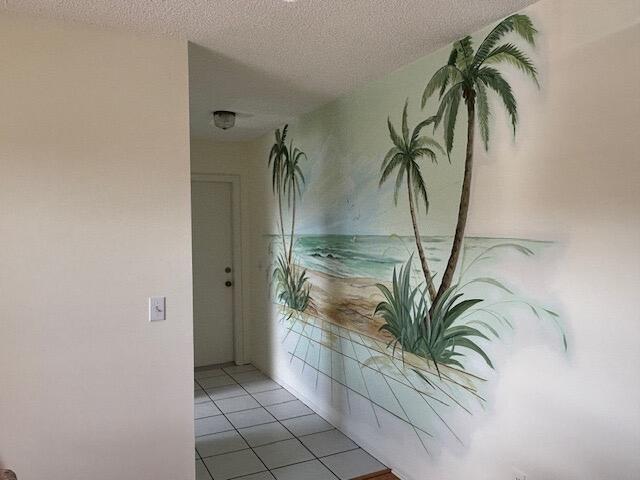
x,y
275,441
313,454
296,437
278,421
358,447
301,443
290,432
238,432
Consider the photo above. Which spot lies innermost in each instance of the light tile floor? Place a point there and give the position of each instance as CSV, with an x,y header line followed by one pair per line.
x,y
248,427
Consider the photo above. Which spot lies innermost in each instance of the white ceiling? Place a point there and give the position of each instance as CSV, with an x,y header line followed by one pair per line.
x,y
276,59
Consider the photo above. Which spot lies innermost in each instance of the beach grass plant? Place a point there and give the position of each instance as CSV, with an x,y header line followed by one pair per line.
x,y
431,333
292,284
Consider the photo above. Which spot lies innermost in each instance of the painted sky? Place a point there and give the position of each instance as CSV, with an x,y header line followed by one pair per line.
x,y
346,142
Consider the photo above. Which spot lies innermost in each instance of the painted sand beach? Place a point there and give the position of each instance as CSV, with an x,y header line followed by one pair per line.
x,y
344,270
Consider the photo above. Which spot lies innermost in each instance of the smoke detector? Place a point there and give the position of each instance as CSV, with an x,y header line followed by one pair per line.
x,y
223,119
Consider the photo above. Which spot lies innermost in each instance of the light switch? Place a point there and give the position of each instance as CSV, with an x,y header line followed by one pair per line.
x,y
157,309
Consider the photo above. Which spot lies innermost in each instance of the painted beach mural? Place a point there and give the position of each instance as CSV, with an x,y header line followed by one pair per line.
x,y
377,283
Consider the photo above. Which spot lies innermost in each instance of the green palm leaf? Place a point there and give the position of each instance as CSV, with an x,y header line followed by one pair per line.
x,y
496,82
416,132
397,141
399,180
419,185
518,23
395,161
405,128
450,115
483,114
464,56
443,77
455,90
429,143
511,54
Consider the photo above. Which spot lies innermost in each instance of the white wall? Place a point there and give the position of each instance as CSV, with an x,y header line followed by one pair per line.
x,y
572,176
94,219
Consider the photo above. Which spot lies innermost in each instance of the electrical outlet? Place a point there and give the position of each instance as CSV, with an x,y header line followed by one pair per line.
x,y
519,474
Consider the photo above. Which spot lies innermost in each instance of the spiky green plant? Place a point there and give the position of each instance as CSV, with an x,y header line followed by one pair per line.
x,y
403,156
469,75
278,156
293,179
401,312
439,339
444,339
292,284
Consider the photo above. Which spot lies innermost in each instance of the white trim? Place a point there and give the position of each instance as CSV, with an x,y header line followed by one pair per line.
x,y
239,331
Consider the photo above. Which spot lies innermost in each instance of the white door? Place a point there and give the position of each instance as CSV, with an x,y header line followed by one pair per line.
x,y
211,221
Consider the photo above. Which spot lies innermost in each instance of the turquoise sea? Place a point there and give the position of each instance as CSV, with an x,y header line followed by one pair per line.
x,y
375,256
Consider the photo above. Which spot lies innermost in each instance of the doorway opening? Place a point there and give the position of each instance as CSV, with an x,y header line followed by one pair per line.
x,y
218,330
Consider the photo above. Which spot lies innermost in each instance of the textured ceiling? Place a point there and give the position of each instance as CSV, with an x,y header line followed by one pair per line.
x,y
274,59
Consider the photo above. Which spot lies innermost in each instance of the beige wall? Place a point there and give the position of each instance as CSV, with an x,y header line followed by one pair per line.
x,y
94,219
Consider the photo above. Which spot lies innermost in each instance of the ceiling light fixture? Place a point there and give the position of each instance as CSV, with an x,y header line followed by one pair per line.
x,y
223,119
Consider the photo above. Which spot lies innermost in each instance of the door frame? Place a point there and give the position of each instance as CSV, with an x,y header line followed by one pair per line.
x,y
239,333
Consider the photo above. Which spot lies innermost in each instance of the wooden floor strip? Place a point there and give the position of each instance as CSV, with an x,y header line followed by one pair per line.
x,y
381,475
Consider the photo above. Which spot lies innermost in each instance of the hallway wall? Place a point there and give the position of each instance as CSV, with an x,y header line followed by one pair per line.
x,y
94,219
242,160
569,179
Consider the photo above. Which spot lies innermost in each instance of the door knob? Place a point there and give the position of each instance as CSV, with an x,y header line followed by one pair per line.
x,y
228,283
227,270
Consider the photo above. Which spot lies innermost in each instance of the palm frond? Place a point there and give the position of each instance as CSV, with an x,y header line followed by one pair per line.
x,y
405,128
396,160
278,156
496,82
428,142
483,113
511,54
395,138
426,152
444,103
439,81
450,116
419,185
518,23
387,158
464,56
418,128
399,179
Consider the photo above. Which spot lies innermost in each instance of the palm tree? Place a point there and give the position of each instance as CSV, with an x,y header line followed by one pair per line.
x,y
278,158
293,178
468,75
404,156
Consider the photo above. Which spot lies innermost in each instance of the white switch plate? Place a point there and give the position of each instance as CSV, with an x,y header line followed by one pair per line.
x,y
157,309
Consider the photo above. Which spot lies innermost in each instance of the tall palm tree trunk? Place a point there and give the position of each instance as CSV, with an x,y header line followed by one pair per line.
x,y
293,226
284,243
423,258
463,210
